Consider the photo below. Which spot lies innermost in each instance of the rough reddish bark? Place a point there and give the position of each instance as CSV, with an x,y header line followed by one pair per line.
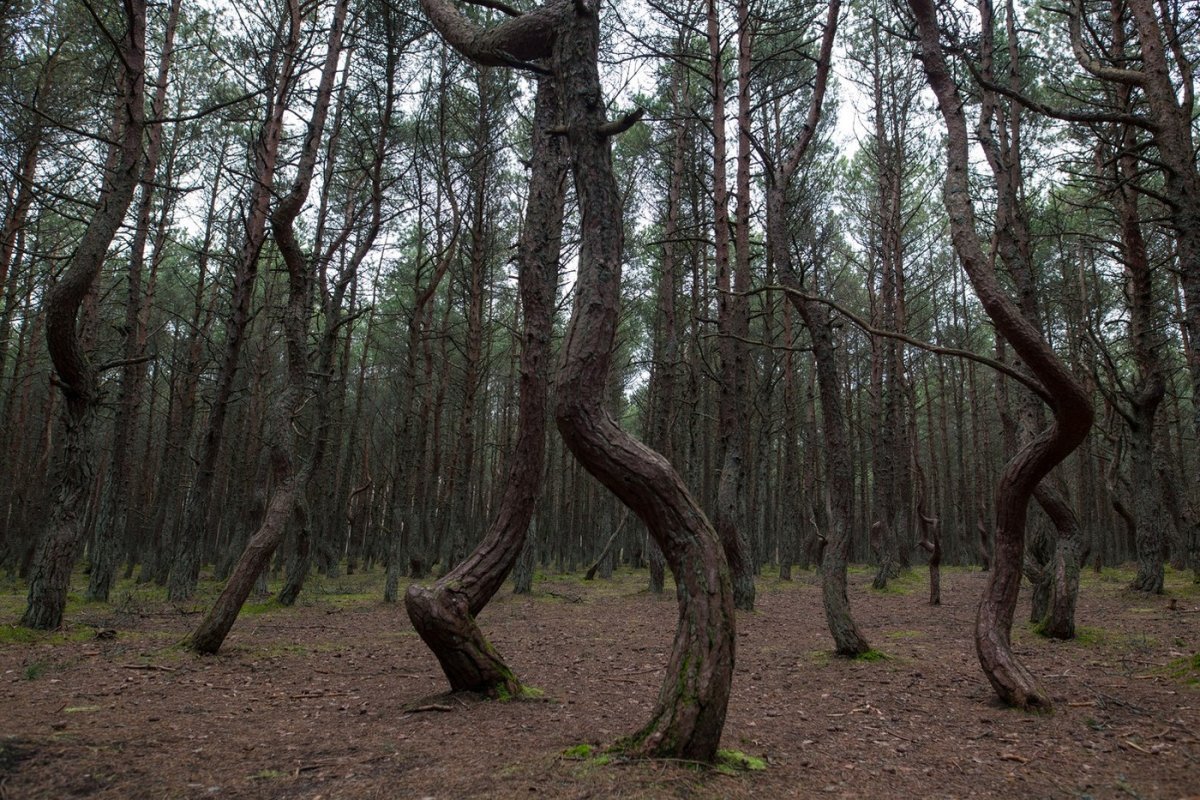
x,y
76,377
690,712
1001,134
1071,407
444,614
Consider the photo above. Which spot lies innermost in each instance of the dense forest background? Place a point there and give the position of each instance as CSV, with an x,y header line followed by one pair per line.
x,y
378,380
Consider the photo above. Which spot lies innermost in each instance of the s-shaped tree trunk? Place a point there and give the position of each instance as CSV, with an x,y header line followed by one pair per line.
x,y
51,576
690,712
1069,402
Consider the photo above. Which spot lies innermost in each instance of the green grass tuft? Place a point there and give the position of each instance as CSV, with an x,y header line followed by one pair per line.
x,y
873,655
907,582
265,607
579,751
15,634
1186,670
593,755
905,634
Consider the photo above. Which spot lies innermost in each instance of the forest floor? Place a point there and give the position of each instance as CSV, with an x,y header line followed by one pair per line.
x,y
317,700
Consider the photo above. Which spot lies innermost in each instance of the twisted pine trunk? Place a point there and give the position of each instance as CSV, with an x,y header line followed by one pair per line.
x,y
444,614
690,712
1067,399
51,575
687,719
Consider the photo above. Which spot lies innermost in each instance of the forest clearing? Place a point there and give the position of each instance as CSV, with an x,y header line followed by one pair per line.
x,y
335,697
370,306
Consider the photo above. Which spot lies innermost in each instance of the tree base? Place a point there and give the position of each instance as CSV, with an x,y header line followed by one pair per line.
x,y
443,619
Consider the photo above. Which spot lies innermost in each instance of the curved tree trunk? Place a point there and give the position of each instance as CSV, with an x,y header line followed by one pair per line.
x,y
444,614
689,715
185,564
289,475
51,576
1067,399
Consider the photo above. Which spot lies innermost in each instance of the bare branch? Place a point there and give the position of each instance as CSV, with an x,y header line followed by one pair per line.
x,y
1031,384
619,126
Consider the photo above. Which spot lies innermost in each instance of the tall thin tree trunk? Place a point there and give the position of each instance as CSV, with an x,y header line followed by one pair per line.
x,y
732,308
76,377
185,567
113,530
288,473
837,504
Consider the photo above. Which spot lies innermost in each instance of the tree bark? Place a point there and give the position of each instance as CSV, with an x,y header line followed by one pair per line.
x,y
444,614
690,712
188,547
689,715
1069,403
112,530
733,307
839,495
76,377
288,473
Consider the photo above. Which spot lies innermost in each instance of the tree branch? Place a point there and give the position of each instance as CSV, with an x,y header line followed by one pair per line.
x,y
619,126
1026,381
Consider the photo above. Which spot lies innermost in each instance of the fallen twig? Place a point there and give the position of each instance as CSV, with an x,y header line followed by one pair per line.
x,y
573,598
157,667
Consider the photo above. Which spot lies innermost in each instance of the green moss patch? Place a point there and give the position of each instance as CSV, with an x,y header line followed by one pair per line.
x,y
907,582
18,635
15,634
732,762
590,753
1186,670
526,693
905,634
265,607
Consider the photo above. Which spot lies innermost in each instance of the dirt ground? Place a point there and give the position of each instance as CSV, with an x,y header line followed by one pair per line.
x,y
310,702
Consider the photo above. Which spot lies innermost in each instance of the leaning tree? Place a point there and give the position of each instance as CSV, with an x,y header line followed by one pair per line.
x,y
1051,380
444,614
564,34
74,373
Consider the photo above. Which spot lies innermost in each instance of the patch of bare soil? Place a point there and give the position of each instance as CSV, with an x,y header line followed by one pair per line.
x,y
310,702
